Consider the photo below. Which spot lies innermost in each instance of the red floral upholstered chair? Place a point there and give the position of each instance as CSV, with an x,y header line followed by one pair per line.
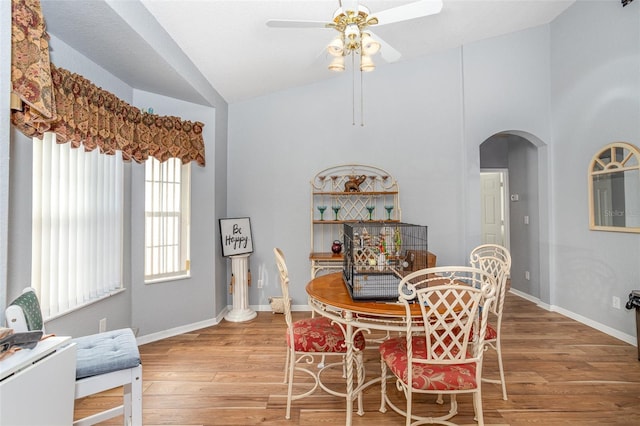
x,y
437,354
495,260
312,337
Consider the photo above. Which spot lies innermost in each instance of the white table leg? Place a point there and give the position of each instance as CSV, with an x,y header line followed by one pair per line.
x,y
348,339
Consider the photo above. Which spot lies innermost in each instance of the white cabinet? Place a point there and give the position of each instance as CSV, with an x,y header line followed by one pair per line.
x,y
37,385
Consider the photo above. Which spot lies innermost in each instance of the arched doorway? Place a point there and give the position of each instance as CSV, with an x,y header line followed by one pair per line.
x,y
519,158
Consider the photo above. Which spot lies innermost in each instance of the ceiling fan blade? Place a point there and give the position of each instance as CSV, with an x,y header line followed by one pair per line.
x,y
417,9
387,52
275,23
349,5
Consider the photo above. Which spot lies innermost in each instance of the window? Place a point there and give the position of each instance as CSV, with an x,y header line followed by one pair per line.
x,y
77,218
167,219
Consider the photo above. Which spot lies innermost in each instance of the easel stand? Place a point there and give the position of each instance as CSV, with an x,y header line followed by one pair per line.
x,y
240,288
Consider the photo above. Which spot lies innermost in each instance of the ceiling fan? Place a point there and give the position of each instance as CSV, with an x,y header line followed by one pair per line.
x,y
352,21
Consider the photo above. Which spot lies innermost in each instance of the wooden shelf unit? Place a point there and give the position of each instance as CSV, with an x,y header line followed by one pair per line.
x,y
353,190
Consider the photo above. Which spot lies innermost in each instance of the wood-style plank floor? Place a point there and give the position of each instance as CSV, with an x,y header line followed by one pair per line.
x,y
559,372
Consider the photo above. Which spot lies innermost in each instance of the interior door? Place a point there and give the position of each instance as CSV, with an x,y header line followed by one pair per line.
x,y
493,215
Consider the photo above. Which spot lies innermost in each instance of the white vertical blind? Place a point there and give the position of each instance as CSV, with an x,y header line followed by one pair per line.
x,y
76,225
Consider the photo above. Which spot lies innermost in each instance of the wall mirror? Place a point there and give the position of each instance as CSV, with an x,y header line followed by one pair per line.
x,y
614,189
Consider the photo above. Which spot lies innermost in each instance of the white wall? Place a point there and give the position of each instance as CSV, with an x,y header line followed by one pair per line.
x,y
595,86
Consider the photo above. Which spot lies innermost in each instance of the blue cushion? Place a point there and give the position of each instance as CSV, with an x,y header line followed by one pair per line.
x,y
106,352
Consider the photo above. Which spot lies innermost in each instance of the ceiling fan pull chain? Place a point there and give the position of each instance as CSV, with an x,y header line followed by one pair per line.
x,y
361,100
353,91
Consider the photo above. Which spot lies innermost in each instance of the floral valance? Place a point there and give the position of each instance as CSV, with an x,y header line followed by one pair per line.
x,y
56,100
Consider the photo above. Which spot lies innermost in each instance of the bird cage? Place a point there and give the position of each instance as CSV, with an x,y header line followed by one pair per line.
x,y
378,255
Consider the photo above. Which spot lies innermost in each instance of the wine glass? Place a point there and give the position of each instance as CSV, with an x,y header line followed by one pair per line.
x,y
370,209
336,209
322,209
389,209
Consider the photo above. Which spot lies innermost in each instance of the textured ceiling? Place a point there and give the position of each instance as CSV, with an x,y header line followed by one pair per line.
x,y
164,46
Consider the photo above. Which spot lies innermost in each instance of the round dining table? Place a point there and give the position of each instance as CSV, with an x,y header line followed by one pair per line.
x,y
329,296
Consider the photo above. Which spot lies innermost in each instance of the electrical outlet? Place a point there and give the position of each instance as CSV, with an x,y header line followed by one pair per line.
x,y
527,275
615,302
260,283
103,325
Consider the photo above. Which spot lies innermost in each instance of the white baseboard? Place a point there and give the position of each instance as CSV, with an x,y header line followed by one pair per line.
x,y
153,337
627,338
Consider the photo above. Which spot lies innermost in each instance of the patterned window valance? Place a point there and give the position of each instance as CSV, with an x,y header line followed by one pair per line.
x,y
56,100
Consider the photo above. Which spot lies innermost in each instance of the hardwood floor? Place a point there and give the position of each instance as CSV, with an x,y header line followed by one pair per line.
x,y
559,372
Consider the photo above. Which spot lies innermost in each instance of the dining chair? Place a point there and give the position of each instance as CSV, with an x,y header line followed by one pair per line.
x,y
441,351
314,337
104,361
496,260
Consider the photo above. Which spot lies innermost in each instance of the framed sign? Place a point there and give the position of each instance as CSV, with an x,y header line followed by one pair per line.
x,y
235,235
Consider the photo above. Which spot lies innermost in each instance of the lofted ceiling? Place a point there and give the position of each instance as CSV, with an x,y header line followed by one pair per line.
x,y
178,48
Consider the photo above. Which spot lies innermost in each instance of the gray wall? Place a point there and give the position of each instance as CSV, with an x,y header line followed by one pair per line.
x,y
507,90
158,309
427,132
494,153
595,86
163,305
523,180
568,87
5,130
278,143
424,122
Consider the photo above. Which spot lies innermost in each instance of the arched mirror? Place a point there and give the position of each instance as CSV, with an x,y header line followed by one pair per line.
x,y
614,189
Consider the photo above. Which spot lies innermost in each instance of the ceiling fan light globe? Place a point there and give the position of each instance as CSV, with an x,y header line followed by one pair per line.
x,y
366,64
337,64
369,45
336,47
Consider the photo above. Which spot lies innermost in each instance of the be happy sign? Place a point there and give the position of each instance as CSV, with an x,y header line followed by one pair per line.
x,y
235,235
